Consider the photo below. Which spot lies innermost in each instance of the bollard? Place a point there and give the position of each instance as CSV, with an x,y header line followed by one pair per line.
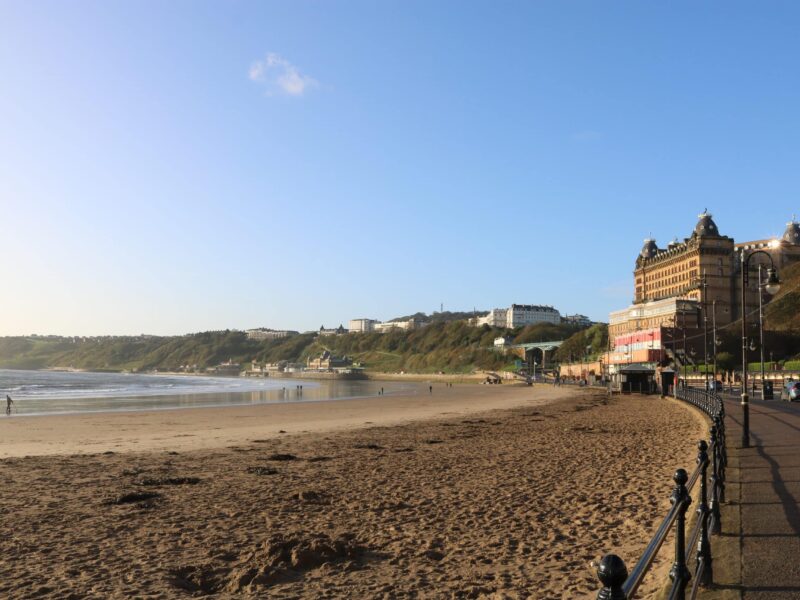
x,y
679,573
612,572
703,545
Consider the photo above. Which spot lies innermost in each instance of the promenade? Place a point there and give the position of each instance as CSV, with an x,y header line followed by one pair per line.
x,y
761,521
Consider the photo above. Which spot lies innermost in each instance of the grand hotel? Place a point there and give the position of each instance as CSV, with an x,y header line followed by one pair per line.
x,y
677,287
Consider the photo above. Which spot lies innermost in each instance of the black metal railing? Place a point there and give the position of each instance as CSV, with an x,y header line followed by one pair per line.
x,y
618,584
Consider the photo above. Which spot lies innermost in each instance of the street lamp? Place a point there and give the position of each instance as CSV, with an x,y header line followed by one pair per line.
x,y
704,284
752,349
685,359
771,286
762,286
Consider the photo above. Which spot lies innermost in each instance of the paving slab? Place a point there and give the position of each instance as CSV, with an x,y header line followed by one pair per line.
x,y
767,480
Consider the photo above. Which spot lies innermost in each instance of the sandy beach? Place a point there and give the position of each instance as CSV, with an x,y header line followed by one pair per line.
x,y
471,492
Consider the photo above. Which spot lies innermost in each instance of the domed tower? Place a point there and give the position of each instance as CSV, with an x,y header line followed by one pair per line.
x,y
705,226
650,248
792,233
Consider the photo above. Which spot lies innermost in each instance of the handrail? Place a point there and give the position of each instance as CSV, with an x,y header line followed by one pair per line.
x,y
611,570
640,570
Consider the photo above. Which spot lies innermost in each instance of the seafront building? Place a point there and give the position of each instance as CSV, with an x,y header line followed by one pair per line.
x,y
679,288
327,362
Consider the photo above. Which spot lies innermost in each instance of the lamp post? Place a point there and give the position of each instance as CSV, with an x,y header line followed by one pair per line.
x,y
714,340
771,286
685,355
705,329
761,327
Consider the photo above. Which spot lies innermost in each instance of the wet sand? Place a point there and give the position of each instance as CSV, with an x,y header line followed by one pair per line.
x,y
502,503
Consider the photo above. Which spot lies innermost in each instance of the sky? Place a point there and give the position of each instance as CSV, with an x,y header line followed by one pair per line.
x,y
171,167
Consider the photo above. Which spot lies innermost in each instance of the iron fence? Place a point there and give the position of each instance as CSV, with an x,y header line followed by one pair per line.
x,y
693,559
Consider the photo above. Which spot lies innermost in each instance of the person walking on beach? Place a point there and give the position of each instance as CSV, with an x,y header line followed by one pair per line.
x,y
430,389
9,402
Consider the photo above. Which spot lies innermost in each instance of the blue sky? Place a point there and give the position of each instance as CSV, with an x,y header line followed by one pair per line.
x,y
168,167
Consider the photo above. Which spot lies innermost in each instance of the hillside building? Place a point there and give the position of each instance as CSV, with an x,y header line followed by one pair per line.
x,y
520,315
409,325
263,333
497,317
362,325
581,320
340,330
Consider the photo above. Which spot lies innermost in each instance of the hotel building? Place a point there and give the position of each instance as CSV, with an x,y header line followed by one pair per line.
x,y
519,315
680,286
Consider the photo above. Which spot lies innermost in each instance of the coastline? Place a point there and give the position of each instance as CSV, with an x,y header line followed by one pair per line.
x,y
212,427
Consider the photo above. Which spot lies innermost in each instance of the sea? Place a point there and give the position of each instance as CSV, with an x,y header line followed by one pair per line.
x,y
65,392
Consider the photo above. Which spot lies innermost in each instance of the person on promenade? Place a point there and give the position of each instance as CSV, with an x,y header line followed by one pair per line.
x,y
430,389
9,402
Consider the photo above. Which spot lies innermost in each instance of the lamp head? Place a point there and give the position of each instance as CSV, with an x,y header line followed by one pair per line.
x,y
773,284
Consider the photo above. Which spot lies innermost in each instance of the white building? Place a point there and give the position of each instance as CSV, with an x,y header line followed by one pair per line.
x,y
267,334
402,325
520,315
497,317
501,342
362,325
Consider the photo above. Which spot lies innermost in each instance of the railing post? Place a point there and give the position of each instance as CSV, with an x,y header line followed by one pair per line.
x,y
679,573
703,545
716,524
612,572
721,452
723,446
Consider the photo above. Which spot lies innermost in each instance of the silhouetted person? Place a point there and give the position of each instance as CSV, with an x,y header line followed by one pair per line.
x,y
430,389
9,402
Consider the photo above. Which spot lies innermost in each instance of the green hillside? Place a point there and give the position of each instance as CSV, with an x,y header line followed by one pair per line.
x,y
782,313
781,325
449,346
589,342
146,352
452,347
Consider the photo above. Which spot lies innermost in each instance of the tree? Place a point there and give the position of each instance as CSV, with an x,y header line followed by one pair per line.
x,y
726,361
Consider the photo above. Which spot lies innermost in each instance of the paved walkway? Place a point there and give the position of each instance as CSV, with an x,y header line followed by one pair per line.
x,y
766,487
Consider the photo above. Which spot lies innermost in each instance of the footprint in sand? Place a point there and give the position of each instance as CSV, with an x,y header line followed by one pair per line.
x,y
281,457
262,470
169,481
